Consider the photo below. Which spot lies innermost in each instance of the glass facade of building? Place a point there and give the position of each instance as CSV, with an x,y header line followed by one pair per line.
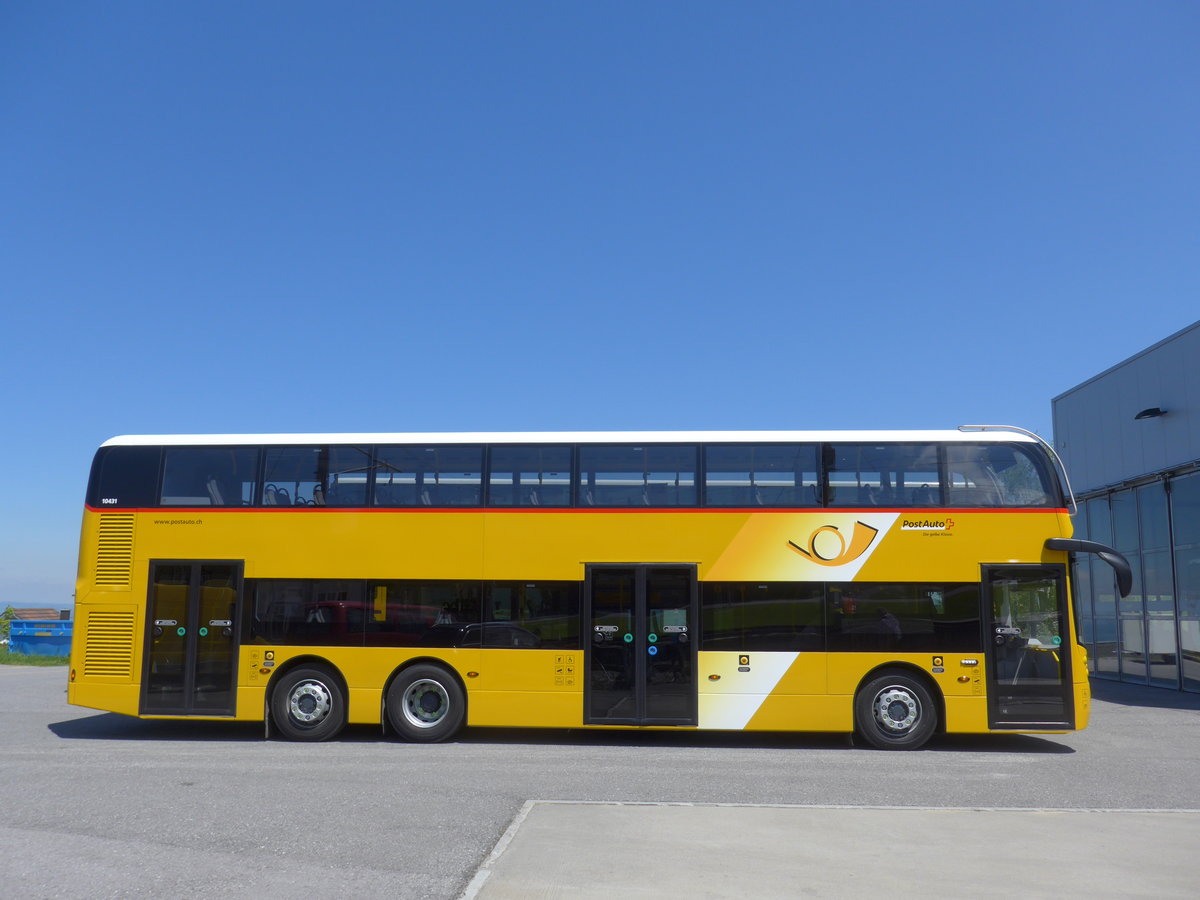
x,y
1153,635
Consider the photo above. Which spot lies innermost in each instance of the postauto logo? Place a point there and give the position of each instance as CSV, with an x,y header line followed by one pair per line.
x,y
915,523
827,546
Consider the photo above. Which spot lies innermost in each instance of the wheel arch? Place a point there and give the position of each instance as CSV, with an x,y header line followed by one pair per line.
x,y
419,661
913,671
307,659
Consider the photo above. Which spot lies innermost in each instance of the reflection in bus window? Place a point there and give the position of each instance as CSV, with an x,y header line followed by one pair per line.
x,y
653,475
751,616
428,476
782,475
209,476
530,476
547,611
422,613
982,475
904,617
890,475
315,476
293,611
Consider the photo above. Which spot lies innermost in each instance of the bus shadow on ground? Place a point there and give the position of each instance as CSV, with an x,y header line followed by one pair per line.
x,y
574,737
116,727
999,743
957,743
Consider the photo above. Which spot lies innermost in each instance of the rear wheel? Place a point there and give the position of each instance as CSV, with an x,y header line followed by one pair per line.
x,y
308,705
895,711
426,704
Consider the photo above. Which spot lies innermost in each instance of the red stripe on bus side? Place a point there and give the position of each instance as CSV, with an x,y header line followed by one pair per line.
x,y
902,510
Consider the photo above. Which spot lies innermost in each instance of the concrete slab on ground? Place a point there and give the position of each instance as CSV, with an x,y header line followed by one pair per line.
x,y
632,850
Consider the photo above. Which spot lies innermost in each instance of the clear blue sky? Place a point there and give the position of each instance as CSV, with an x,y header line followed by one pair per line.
x,y
295,216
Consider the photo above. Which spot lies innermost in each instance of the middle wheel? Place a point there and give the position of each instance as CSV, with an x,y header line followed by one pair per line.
x,y
425,703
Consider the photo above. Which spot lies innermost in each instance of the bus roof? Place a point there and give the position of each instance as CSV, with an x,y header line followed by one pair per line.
x,y
568,437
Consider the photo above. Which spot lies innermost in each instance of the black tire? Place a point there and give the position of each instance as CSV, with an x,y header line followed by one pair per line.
x,y
426,704
895,711
308,704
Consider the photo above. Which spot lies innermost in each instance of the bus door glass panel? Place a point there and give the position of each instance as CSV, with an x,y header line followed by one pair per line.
x,y
611,658
215,647
641,650
670,682
191,646
1029,653
166,648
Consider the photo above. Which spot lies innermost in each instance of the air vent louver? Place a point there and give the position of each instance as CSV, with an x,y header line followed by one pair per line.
x,y
114,552
108,650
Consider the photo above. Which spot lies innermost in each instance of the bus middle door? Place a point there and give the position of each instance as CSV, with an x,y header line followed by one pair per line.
x,y
641,647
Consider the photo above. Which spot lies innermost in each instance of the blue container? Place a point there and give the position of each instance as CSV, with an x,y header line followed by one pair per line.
x,y
40,638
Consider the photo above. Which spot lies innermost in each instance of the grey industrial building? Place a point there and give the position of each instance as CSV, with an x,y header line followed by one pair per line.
x,y
1130,440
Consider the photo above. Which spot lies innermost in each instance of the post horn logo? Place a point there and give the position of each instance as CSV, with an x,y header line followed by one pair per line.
x,y
860,540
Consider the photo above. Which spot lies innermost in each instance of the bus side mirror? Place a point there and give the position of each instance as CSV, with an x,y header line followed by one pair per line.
x,y
1114,558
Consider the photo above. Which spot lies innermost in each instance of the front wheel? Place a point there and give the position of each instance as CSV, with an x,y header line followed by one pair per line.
x,y
426,704
308,705
895,712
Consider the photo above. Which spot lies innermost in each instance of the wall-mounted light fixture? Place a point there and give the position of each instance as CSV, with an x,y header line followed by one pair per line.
x,y
1152,413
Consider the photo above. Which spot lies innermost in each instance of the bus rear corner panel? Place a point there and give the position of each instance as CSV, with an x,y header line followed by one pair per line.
x,y
102,673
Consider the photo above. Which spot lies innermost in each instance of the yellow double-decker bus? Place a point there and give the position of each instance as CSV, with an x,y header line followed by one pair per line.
x,y
893,584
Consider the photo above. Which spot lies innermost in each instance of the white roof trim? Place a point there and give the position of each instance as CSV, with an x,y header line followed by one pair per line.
x,y
565,437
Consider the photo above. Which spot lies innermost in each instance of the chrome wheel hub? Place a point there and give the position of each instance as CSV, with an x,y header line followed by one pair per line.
x,y
309,702
896,710
425,703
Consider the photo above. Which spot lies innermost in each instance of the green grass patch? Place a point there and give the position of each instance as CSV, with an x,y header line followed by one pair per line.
x,y
8,658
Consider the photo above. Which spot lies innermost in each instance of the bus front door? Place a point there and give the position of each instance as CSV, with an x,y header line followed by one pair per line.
x,y
641,645
191,638
1029,648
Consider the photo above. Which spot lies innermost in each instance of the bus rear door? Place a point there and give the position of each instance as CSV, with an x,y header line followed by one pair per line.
x,y
191,638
